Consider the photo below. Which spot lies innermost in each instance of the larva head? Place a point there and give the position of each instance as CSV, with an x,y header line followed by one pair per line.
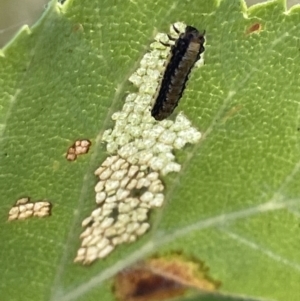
x,y
193,35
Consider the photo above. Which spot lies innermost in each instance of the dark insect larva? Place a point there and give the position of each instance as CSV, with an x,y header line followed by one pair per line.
x,y
184,54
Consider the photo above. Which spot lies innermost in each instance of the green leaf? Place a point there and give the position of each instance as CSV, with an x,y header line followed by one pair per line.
x,y
235,203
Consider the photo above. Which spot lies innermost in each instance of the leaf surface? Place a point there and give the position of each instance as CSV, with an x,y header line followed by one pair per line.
x,y
235,203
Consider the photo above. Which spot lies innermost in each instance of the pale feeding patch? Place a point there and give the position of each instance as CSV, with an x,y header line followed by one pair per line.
x,y
79,147
24,209
141,151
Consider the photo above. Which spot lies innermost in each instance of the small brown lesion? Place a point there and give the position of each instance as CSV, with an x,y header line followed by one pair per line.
x,y
140,284
254,28
161,278
78,27
79,147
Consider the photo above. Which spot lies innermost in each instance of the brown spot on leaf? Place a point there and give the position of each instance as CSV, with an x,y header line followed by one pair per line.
x,y
140,284
184,271
162,278
78,27
256,27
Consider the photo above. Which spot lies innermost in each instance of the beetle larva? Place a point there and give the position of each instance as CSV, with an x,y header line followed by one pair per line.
x,y
184,54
